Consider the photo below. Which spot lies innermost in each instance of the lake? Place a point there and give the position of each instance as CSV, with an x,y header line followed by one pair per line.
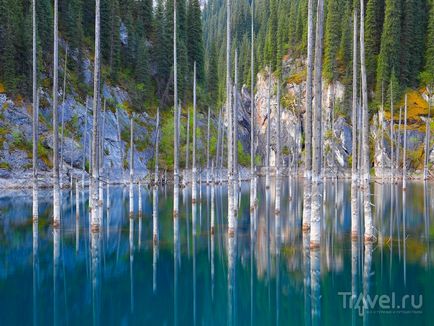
x,y
135,271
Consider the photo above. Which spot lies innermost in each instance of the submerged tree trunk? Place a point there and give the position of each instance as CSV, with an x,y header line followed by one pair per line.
x,y
354,171
404,158
392,171
207,146
187,151
252,97
62,144
315,236
369,228
193,179
382,132
157,145
96,222
229,114
278,144
84,145
35,95
175,119
131,212
219,140
56,192
35,207
307,196
427,141
398,142
267,162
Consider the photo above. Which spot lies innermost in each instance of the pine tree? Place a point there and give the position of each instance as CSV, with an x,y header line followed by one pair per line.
x,y
412,37
194,37
428,73
374,25
388,59
332,39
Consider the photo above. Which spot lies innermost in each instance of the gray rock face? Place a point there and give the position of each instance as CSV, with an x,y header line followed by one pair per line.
x,y
16,122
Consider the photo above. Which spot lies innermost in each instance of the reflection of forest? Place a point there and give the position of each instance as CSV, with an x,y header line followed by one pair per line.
x,y
16,213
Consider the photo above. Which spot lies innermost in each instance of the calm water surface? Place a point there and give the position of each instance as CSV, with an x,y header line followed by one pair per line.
x,y
265,275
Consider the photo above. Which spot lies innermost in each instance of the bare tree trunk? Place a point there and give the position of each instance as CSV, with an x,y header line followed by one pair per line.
x,y
176,118
252,112
62,144
96,222
131,212
252,96
118,126
404,158
267,167
35,95
382,132
315,236
369,228
212,199
35,207
229,114
354,171
235,120
187,151
392,171
157,144
207,146
307,196
194,181
219,140
56,192
427,140
278,144
84,144
398,142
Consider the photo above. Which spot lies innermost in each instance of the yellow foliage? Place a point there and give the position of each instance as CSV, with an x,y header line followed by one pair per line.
x,y
297,78
417,108
2,88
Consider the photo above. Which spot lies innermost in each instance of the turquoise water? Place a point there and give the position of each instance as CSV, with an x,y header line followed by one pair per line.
x,y
262,276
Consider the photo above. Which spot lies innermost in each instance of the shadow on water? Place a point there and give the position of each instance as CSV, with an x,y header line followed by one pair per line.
x,y
155,269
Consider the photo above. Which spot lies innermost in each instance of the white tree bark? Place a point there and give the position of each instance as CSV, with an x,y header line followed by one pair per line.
x,y
139,186
307,197
369,228
398,142
96,222
155,215
65,69
404,158
382,132
229,115
84,145
315,236
427,139
252,97
235,119
212,200
208,135
354,171
35,95
56,190
157,145
176,119
268,137
278,143
194,181
392,136
131,211
187,151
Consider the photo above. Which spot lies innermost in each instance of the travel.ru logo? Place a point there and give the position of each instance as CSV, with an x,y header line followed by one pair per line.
x,y
383,304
